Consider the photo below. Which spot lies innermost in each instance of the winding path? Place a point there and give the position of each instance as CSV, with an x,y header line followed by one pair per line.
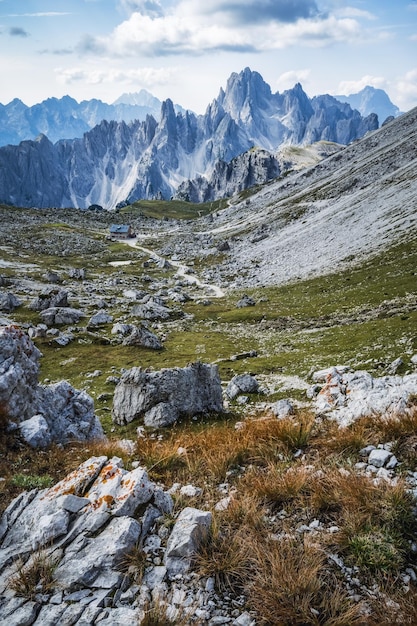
x,y
183,271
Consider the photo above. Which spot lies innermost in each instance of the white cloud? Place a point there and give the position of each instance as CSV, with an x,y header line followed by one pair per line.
x,y
145,76
348,87
145,7
187,31
290,78
406,90
355,13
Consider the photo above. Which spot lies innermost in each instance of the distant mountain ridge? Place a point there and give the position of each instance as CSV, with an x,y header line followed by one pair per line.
x,y
372,100
65,118
118,162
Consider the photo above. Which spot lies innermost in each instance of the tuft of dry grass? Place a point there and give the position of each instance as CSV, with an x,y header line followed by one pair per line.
x,y
291,586
277,485
226,556
33,577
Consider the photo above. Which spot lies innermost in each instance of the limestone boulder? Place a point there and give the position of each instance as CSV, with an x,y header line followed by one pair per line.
x,y
46,413
35,431
57,316
143,338
19,369
99,318
241,383
9,302
347,396
159,398
50,297
190,531
69,413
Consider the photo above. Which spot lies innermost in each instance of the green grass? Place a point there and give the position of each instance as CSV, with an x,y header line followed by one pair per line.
x,y
26,481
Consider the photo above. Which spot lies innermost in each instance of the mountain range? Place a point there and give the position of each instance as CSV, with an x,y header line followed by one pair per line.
x,y
65,118
118,161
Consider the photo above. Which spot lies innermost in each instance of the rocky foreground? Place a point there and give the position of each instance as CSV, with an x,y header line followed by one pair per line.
x,y
107,545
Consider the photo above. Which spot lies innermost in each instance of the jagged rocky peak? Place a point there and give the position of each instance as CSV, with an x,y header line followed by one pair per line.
x,y
146,159
245,91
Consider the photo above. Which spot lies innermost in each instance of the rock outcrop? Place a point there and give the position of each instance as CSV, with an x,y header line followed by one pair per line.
x,y
346,396
44,413
82,531
159,398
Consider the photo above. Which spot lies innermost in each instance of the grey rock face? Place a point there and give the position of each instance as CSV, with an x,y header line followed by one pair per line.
x,y
161,397
50,298
35,431
282,408
151,310
241,383
69,413
190,530
85,525
56,412
347,396
19,368
99,318
245,301
142,337
9,302
55,316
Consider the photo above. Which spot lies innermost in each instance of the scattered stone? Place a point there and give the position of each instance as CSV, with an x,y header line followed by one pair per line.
x,y
379,457
61,315
365,452
152,310
161,397
191,491
99,319
245,301
282,408
395,366
9,302
50,298
244,355
122,329
241,383
79,273
52,277
223,246
144,338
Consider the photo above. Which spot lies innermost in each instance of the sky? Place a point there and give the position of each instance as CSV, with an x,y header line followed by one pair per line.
x,y
186,49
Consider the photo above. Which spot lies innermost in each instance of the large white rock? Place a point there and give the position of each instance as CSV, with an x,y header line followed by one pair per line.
x,y
49,413
96,563
161,397
347,396
19,368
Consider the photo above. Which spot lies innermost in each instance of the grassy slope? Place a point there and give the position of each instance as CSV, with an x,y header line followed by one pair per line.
x,y
364,316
